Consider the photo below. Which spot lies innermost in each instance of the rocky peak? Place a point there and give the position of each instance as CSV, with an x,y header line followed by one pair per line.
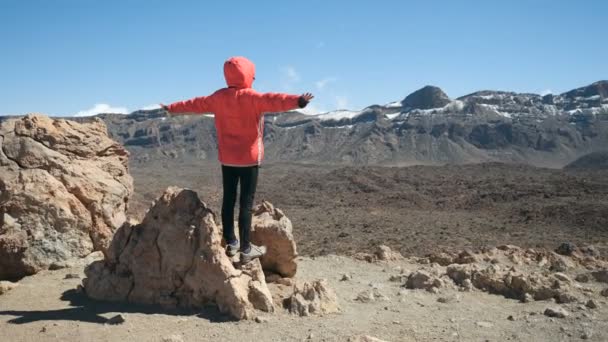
x,y
599,88
426,98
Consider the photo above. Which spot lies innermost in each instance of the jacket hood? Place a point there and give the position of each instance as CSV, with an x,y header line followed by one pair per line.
x,y
239,72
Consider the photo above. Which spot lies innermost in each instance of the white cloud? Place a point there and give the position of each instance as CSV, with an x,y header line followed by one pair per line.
x,y
341,102
291,74
321,84
311,109
546,92
151,106
102,108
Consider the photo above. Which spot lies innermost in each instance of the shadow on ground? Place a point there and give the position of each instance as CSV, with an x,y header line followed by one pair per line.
x,y
85,309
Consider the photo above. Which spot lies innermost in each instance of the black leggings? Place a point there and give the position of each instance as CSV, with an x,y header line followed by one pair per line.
x,y
248,176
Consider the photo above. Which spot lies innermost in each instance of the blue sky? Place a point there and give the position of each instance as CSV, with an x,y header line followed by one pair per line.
x,y
62,57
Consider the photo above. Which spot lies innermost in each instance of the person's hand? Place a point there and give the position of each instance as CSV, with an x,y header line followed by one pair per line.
x,y
165,109
305,99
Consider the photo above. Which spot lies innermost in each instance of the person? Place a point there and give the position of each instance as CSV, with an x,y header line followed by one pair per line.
x,y
239,121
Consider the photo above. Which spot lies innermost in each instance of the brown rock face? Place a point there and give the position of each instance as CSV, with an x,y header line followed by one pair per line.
x,y
64,189
271,228
175,258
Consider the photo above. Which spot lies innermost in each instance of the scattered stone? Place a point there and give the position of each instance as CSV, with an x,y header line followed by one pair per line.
x,y
346,277
448,299
173,338
511,318
271,228
118,319
175,260
465,257
72,276
423,280
467,285
582,278
586,335
566,248
6,286
384,253
604,292
260,319
442,258
433,290
312,298
484,324
601,275
591,304
398,278
556,312
561,276
366,296
59,265
65,189
590,251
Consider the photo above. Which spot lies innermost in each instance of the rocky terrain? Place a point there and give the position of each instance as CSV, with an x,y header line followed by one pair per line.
x,y
427,127
415,210
356,253
485,296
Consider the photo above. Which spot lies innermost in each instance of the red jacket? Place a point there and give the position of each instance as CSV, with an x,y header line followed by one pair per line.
x,y
238,111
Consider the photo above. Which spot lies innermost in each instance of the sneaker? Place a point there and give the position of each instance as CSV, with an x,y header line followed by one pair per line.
x,y
254,252
232,248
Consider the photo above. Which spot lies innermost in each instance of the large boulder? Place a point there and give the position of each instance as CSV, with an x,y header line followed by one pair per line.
x,y
64,189
271,228
175,258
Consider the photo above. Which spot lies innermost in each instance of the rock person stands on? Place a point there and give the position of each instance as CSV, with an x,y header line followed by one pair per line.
x,y
238,111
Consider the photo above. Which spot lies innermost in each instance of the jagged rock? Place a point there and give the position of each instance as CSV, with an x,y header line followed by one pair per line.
x,y
423,280
346,277
64,191
271,228
460,273
604,292
6,286
384,253
175,258
556,312
591,304
566,248
465,257
312,298
442,258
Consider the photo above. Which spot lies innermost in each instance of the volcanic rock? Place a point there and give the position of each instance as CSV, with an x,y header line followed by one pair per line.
x,y
64,189
174,258
271,228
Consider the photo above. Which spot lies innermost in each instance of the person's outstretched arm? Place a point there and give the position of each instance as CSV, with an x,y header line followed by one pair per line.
x,y
276,102
197,105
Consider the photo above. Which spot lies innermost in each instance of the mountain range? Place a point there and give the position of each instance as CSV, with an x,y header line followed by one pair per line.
x,y
426,127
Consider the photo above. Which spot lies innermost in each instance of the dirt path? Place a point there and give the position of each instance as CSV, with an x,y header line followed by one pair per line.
x,y
45,307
